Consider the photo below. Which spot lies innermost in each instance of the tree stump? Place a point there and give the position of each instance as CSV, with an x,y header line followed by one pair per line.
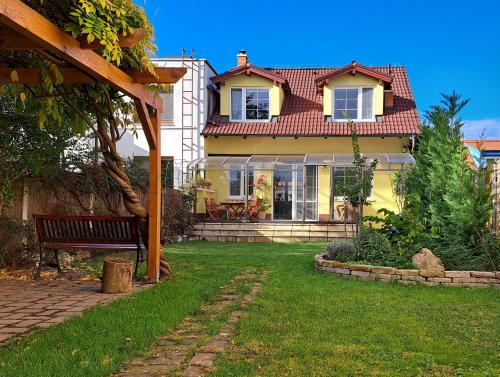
x,y
117,275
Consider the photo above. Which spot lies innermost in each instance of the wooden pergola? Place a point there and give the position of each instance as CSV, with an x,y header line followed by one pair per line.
x,y
22,28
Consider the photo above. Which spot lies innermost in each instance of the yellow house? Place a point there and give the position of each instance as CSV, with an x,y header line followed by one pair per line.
x,y
280,137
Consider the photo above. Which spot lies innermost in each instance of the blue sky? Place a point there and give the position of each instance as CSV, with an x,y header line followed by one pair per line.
x,y
445,45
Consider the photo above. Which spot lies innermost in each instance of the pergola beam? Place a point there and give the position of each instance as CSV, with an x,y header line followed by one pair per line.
x,y
32,76
76,76
146,122
32,25
10,40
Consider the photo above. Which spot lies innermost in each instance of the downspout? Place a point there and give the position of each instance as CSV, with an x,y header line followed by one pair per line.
x,y
304,173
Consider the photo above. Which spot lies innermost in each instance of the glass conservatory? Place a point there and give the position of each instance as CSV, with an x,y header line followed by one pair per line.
x,y
305,188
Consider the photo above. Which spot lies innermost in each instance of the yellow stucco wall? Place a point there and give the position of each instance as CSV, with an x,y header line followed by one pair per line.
x,y
348,80
382,193
228,145
253,81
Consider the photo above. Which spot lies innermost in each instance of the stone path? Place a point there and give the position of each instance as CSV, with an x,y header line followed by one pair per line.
x,y
190,349
26,305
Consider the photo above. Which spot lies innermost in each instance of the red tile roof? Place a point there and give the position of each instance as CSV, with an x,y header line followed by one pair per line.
x,y
486,144
248,69
353,68
302,110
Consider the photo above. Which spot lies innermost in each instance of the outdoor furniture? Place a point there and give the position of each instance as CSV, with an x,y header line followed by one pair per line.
x,y
254,208
236,209
98,233
345,212
213,210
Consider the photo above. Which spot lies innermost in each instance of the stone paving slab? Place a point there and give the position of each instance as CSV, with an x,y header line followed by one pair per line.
x,y
189,349
25,305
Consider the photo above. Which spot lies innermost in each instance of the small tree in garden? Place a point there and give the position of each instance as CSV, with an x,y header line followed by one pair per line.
x,y
25,149
357,192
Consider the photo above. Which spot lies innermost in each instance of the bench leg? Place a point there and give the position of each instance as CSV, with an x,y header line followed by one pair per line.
x,y
56,254
39,268
137,260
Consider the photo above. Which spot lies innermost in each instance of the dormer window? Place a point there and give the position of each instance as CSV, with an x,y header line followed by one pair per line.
x,y
250,104
353,103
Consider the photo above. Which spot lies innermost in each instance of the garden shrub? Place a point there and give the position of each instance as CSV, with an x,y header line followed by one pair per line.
x,y
341,251
372,246
405,231
17,242
485,255
177,217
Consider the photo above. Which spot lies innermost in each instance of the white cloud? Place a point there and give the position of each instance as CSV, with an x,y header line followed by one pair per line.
x,y
474,128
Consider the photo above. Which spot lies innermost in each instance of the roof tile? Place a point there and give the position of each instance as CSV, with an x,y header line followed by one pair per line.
x,y
302,110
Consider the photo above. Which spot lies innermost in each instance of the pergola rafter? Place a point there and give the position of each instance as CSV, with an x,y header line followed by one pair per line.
x,y
29,30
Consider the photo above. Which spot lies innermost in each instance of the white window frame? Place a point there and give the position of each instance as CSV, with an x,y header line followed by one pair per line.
x,y
243,105
242,183
360,104
342,198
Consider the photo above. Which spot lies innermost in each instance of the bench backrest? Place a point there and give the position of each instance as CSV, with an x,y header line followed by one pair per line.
x,y
87,229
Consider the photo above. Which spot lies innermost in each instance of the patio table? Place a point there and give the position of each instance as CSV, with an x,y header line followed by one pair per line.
x,y
237,208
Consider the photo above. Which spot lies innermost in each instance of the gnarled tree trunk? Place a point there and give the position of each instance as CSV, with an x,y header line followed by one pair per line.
x,y
115,167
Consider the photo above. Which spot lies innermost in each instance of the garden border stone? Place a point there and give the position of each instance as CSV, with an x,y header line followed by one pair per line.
x,y
476,279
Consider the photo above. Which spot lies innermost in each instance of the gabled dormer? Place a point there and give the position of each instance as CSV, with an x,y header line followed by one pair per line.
x,y
249,93
354,92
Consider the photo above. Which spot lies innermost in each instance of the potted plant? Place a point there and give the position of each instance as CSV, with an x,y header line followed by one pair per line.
x,y
202,183
263,194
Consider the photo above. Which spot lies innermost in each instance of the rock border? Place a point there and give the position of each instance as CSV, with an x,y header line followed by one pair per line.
x,y
476,279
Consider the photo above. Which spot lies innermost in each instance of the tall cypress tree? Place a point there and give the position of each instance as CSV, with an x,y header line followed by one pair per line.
x,y
452,199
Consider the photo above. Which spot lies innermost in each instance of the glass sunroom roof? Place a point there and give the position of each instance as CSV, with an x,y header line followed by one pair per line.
x,y
276,162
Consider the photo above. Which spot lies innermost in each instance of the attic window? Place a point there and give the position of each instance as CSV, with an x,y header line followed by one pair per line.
x,y
250,104
353,103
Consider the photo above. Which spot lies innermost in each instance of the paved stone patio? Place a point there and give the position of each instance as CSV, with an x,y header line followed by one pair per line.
x,y
25,305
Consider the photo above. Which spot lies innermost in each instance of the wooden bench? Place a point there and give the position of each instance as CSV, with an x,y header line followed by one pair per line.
x,y
97,233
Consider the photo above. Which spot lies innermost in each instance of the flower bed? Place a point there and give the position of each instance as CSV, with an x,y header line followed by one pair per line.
x,y
481,279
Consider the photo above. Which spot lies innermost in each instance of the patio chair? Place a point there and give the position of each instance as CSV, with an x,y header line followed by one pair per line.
x,y
254,208
347,211
213,210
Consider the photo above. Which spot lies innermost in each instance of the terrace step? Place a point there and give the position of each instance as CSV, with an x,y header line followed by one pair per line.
x,y
270,232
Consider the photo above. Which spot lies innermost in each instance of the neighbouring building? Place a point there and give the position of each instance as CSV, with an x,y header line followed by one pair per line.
x,y
288,127
187,106
488,150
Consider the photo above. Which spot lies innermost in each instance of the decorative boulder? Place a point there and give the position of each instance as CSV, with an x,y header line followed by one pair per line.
x,y
426,260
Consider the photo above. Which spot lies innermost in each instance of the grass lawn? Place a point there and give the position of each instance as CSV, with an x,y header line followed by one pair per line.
x,y
303,323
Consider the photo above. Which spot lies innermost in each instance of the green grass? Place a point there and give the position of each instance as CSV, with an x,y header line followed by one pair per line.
x,y
303,322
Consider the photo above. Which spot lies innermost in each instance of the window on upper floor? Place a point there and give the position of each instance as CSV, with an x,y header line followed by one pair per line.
x,y
167,114
353,103
250,104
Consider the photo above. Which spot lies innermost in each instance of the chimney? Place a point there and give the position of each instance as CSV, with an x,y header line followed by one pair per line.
x,y
242,58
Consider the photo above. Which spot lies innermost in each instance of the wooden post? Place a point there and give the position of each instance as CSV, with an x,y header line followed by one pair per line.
x,y
154,248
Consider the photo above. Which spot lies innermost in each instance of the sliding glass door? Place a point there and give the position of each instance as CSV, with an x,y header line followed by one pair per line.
x,y
288,200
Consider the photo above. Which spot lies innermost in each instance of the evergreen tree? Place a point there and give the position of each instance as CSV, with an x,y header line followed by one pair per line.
x,y
452,199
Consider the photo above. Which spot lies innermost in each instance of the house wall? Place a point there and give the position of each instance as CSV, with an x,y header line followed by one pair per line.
x,y
382,193
253,81
357,80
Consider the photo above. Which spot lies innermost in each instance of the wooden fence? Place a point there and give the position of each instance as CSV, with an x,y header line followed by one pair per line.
x,y
35,198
